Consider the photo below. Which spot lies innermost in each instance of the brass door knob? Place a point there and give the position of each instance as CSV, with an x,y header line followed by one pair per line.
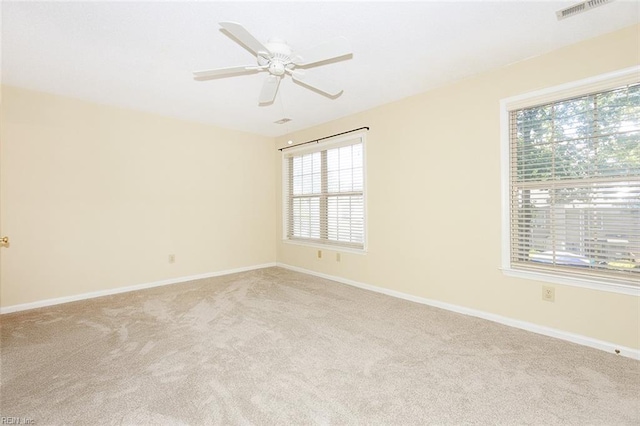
x,y
4,240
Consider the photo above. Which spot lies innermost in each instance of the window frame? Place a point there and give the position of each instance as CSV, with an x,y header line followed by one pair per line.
x,y
597,83
311,148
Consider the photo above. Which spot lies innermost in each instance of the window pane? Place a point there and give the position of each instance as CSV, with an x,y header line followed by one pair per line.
x,y
345,169
306,174
307,184
333,160
306,217
346,218
357,155
358,180
297,166
333,181
346,181
597,227
345,157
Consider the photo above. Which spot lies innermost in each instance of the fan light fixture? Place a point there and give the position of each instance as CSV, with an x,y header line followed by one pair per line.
x,y
278,59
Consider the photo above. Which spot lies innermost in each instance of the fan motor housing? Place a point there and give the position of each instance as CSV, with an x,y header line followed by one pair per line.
x,y
278,46
280,58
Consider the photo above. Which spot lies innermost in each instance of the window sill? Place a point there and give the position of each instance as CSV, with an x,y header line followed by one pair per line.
x,y
573,281
329,247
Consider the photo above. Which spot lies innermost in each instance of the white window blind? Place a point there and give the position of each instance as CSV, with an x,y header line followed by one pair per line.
x,y
324,189
574,181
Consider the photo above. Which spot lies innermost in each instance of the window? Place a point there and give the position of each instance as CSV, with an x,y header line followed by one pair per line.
x,y
573,172
324,194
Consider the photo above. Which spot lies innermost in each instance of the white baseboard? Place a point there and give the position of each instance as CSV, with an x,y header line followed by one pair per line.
x,y
93,294
528,326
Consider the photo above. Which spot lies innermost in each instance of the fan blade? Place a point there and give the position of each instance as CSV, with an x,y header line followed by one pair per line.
x,y
269,89
244,37
225,72
331,49
323,86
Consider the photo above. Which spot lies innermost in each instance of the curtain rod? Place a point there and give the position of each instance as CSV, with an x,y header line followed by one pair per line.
x,y
318,140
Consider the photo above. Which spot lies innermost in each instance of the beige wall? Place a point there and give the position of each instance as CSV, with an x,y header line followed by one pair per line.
x,y
433,168
96,198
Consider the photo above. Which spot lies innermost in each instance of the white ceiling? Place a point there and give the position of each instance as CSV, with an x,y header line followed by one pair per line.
x,y
140,55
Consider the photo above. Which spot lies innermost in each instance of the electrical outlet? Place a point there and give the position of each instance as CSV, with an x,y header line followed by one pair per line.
x,y
548,293
172,258
337,257
319,254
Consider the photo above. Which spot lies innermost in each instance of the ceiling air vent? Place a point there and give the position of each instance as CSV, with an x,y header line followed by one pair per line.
x,y
579,8
282,121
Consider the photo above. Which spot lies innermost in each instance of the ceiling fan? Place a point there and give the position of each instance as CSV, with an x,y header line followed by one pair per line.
x,y
277,58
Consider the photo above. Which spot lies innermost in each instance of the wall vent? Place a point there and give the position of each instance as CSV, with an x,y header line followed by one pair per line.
x,y
282,121
579,8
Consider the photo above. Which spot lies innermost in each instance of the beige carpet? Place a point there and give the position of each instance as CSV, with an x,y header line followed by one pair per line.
x,y
278,347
